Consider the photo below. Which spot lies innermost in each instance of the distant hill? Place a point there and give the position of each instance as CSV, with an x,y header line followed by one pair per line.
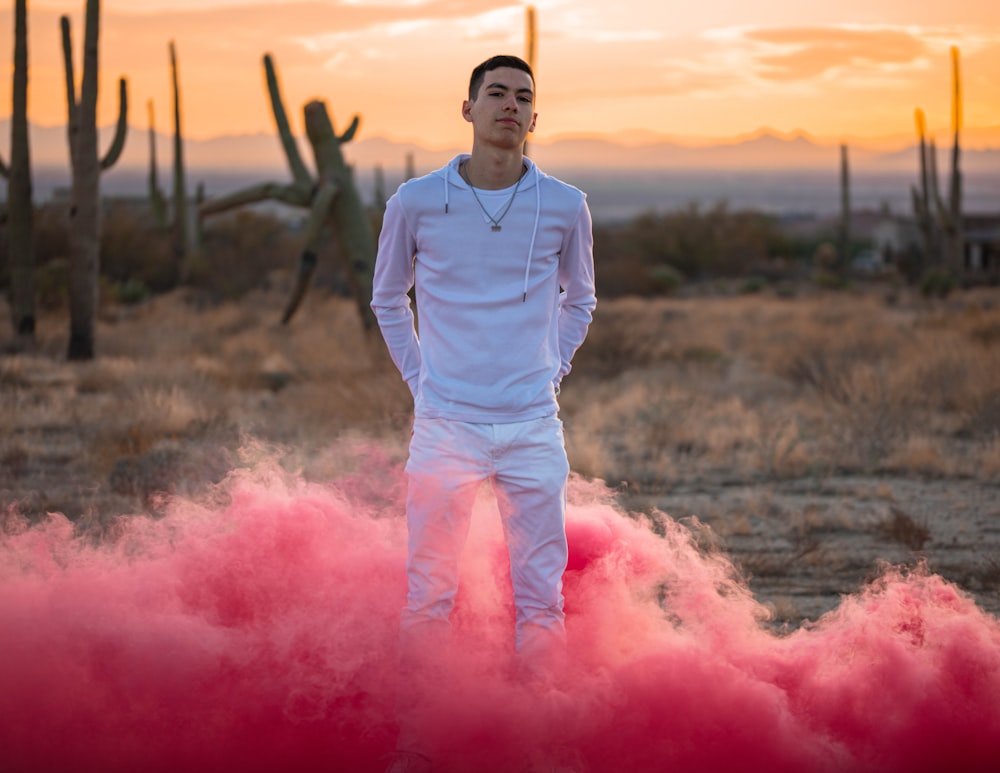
x,y
622,174
765,149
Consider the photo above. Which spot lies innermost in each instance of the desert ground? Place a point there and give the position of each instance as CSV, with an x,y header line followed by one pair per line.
x,y
812,436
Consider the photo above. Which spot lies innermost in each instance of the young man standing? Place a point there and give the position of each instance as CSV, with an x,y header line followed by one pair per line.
x,y
501,258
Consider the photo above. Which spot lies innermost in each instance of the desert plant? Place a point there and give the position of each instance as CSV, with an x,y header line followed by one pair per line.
x,y
844,256
157,201
330,198
85,201
922,195
134,249
20,209
699,244
530,43
379,197
937,283
181,215
941,220
950,211
246,248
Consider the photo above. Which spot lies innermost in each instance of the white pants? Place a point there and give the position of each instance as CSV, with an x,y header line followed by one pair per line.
x,y
527,466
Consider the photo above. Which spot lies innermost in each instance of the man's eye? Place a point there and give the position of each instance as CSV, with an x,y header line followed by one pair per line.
x,y
527,100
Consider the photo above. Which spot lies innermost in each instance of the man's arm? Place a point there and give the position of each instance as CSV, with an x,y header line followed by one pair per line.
x,y
576,277
390,300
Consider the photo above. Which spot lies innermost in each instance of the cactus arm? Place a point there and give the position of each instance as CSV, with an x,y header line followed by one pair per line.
x,y
955,189
348,135
299,172
289,194
531,34
936,203
319,212
121,130
922,136
915,198
530,46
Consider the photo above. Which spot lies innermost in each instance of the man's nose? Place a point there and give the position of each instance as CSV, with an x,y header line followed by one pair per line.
x,y
510,103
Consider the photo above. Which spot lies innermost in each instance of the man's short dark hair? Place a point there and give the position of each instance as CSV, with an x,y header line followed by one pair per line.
x,y
495,63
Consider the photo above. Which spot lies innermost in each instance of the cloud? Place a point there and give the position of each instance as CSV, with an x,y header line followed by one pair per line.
x,y
791,54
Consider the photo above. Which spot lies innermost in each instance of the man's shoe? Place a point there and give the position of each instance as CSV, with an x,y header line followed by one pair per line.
x,y
409,762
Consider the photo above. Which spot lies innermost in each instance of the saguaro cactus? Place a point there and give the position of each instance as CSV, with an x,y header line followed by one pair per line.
x,y
922,195
941,220
20,212
157,201
530,44
331,198
950,210
85,202
844,258
181,215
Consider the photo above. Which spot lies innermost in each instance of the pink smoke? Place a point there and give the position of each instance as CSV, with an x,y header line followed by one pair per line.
x,y
255,630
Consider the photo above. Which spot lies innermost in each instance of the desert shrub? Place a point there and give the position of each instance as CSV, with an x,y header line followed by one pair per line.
x,y
131,291
636,256
134,249
937,283
665,279
238,252
136,258
52,283
51,233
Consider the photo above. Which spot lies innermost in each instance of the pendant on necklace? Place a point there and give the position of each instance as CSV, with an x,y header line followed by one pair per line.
x,y
495,228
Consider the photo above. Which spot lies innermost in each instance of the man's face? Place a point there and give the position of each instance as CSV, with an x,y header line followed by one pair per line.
x,y
503,112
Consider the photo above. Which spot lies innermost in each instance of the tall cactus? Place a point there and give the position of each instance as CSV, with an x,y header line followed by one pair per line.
x,y
182,243
331,197
379,196
20,211
530,44
843,263
950,210
85,201
940,219
921,195
157,200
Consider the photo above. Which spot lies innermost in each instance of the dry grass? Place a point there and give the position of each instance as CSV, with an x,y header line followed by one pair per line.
x,y
785,423
783,387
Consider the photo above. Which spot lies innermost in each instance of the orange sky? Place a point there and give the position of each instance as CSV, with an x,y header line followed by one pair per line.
x,y
714,68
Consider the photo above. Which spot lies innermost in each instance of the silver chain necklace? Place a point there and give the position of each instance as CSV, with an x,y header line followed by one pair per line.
x,y
494,220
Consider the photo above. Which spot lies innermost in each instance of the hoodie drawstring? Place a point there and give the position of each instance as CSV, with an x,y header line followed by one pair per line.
x,y
534,233
447,168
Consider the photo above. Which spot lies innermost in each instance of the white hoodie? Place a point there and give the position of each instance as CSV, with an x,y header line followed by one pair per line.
x,y
496,335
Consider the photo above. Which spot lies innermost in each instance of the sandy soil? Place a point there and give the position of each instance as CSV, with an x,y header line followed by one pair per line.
x,y
803,544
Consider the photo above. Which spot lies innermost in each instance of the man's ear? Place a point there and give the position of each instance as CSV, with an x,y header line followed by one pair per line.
x,y
534,120
467,110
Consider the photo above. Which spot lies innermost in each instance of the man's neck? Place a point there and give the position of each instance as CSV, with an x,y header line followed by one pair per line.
x,y
494,169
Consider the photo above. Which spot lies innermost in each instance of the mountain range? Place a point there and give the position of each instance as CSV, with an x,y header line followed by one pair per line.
x,y
636,151
623,174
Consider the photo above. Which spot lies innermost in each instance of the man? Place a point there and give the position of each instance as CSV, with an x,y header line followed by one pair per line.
x,y
501,258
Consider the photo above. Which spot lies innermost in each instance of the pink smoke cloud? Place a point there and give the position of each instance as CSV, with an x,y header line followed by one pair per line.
x,y
255,630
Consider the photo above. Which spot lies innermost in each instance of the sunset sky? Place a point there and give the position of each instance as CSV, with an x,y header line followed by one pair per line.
x,y
715,68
